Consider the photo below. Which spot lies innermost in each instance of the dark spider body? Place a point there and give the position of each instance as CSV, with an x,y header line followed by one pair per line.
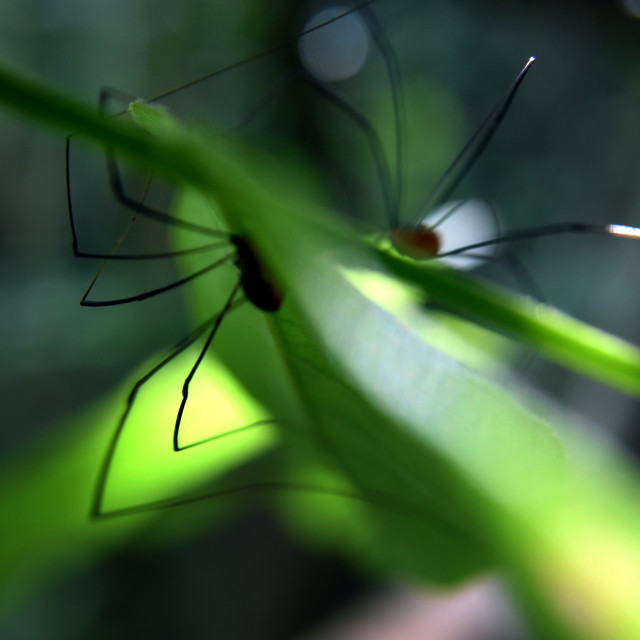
x,y
257,283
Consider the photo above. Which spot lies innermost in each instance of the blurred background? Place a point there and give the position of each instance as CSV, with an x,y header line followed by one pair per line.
x,y
569,150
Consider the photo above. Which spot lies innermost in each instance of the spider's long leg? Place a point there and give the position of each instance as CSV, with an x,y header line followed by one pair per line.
x,y
467,157
551,230
185,387
114,173
390,178
115,179
385,177
153,292
138,206
96,509
127,201
253,487
357,6
395,83
388,185
80,253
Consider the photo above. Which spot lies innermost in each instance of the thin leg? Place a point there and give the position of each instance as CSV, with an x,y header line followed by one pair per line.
x,y
96,509
117,187
550,230
112,255
266,486
399,118
106,95
189,378
387,183
467,157
382,167
357,6
153,292
391,180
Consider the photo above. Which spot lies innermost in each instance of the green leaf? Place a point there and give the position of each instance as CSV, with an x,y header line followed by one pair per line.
x,y
455,470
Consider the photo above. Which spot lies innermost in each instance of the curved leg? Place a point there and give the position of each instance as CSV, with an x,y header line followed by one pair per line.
x,y
189,378
358,5
153,292
180,347
138,207
472,150
98,495
79,253
550,230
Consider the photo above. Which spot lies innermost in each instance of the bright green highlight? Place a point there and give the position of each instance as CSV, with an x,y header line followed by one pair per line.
x,y
462,340
146,469
559,337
